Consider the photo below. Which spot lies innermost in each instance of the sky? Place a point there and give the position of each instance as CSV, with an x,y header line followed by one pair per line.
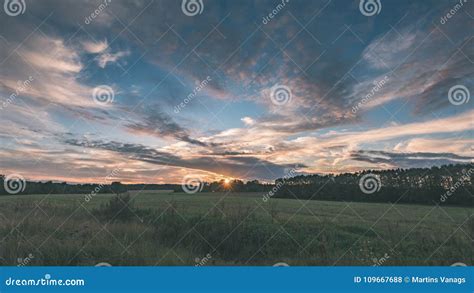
x,y
153,91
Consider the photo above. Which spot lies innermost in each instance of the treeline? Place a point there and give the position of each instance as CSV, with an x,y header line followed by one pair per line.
x,y
31,187
451,184
236,186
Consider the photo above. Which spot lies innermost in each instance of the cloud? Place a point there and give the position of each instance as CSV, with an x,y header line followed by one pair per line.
x,y
248,121
105,55
260,138
389,49
332,151
422,62
59,59
95,47
156,123
245,167
53,66
409,160
105,58
461,146
459,123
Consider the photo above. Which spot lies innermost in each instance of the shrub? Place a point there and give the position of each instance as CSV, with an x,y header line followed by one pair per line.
x,y
119,208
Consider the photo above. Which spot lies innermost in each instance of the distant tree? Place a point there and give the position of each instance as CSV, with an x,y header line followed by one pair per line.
x,y
237,185
117,188
253,186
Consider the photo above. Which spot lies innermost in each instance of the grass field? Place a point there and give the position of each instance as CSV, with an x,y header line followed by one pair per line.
x,y
229,229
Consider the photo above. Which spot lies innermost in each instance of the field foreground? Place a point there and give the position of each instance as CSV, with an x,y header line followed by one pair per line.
x,y
228,229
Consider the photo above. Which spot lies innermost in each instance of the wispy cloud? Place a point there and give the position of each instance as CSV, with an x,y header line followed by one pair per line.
x,y
105,58
95,47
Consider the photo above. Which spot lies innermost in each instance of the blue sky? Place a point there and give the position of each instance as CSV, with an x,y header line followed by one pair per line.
x,y
150,89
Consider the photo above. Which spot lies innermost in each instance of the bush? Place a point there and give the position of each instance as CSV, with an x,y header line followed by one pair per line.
x,y
119,208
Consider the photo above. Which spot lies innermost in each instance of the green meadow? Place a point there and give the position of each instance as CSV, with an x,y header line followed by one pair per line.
x,y
228,229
